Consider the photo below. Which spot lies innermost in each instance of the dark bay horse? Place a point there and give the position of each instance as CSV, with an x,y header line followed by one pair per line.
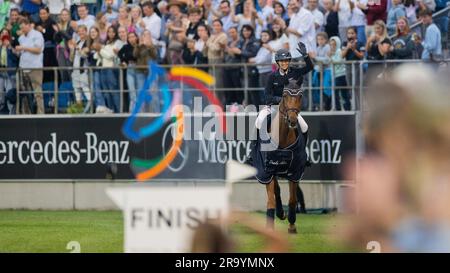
x,y
287,160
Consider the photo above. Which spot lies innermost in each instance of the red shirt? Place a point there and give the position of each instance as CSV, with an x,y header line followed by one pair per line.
x,y
376,11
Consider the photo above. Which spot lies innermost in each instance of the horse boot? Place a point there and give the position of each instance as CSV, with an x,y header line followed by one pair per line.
x,y
279,204
301,201
291,218
270,219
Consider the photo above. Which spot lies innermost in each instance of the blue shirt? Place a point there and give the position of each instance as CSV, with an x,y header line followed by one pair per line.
x,y
30,7
432,42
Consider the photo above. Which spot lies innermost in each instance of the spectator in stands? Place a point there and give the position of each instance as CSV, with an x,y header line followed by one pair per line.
x,y
103,25
232,74
375,10
91,7
375,40
344,10
331,21
215,46
4,12
322,73
225,15
341,93
266,11
95,45
31,50
442,21
411,7
136,21
128,60
313,7
7,78
109,74
56,7
79,52
62,37
85,19
203,36
13,26
191,55
144,52
151,21
31,8
359,19
432,48
403,45
426,4
279,12
194,16
301,29
353,50
124,19
263,58
248,17
111,15
48,28
113,4
175,31
279,38
397,10
248,47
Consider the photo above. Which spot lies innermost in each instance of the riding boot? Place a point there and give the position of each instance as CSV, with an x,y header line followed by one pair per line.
x,y
270,218
301,201
279,204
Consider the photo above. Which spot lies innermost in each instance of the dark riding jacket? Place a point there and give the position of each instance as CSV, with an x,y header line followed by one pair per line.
x,y
277,81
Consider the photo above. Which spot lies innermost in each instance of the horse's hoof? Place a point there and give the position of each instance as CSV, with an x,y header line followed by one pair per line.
x,y
282,215
292,230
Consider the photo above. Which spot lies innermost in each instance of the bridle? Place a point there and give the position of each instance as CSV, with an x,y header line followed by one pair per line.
x,y
284,111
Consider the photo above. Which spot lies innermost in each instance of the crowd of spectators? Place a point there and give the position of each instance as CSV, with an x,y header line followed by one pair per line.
x,y
113,34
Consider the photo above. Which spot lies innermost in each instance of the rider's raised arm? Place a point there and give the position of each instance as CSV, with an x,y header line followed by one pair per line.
x,y
309,66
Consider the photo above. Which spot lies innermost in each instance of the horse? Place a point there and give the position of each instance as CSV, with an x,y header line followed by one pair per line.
x,y
287,160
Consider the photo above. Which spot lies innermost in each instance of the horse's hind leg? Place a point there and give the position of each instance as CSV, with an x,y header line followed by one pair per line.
x,y
292,207
270,188
278,202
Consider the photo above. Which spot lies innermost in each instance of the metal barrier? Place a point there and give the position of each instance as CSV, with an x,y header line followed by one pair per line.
x,y
314,84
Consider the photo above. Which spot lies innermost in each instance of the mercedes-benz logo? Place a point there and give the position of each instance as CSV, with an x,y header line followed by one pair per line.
x,y
182,152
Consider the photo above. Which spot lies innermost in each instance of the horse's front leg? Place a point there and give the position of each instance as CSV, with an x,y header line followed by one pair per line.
x,y
292,206
278,202
270,214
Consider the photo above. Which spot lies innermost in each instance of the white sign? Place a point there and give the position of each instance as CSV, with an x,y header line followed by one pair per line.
x,y
161,219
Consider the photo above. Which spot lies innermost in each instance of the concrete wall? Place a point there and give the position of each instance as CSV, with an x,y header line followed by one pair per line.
x,y
248,195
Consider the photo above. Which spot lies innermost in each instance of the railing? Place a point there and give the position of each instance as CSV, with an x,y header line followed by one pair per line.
x,y
315,97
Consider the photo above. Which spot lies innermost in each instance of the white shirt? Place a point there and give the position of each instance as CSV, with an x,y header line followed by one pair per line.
x,y
55,6
27,59
318,18
89,22
278,44
358,17
303,22
344,14
153,24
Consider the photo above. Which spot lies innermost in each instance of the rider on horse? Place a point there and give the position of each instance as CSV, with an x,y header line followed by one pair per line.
x,y
274,90
280,78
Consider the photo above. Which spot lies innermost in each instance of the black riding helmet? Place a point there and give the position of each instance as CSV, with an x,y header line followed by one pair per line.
x,y
282,55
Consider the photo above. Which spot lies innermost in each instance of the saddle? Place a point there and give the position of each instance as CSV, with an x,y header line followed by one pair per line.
x,y
288,163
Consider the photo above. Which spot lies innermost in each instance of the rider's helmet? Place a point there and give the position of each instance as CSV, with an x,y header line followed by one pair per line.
x,y
282,55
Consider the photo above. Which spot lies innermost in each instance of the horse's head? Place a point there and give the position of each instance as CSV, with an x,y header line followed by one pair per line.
x,y
291,103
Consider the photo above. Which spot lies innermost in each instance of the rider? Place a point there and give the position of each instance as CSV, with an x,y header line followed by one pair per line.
x,y
274,92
